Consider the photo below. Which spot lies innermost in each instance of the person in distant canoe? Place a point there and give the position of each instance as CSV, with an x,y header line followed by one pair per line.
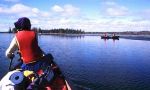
x,y
114,34
105,34
26,42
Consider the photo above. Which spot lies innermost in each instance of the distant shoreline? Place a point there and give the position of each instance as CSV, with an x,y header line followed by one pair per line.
x,y
136,37
133,37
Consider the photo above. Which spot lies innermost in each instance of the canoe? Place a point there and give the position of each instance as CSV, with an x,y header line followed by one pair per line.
x,y
110,37
50,79
105,37
115,37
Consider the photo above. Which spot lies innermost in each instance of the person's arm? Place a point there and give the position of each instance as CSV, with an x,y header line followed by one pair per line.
x,y
12,48
36,34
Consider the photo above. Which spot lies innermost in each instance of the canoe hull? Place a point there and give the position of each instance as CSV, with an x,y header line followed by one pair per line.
x,y
110,37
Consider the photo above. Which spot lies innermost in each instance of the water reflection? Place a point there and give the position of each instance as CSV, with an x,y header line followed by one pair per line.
x,y
114,40
68,36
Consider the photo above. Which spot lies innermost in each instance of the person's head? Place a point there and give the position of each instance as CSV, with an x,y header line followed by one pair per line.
x,y
23,24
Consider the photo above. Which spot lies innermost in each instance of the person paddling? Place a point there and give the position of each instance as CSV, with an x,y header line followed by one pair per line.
x,y
34,59
25,40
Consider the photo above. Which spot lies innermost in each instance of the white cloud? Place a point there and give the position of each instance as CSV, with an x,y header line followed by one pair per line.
x,y
71,10
111,8
35,21
45,14
35,10
66,10
23,10
19,8
117,11
57,8
15,9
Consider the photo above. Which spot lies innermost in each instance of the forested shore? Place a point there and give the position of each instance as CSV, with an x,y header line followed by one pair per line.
x,y
79,31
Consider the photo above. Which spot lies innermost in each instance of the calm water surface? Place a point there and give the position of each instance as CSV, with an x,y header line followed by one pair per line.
x,y
90,63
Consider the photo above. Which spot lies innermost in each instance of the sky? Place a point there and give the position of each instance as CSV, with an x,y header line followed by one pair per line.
x,y
87,15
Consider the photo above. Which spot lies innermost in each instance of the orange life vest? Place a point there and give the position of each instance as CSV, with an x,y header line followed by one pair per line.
x,y
28,46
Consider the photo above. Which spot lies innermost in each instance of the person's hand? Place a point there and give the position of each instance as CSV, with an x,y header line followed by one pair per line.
x,y
11,55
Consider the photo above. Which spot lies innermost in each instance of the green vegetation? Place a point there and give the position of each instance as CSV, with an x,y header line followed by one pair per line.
x,y
61,30
123,33
51,31
79,31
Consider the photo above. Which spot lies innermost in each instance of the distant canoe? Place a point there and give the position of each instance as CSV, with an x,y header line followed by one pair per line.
x,y
110,37
115,37
105,37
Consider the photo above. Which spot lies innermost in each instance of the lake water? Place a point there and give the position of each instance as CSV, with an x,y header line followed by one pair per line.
x,y
90,63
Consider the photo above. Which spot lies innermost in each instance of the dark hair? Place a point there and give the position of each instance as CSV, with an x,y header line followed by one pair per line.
x,y
23,23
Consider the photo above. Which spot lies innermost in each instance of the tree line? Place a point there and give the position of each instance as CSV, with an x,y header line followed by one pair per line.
x,y
123,33
46,31
79,31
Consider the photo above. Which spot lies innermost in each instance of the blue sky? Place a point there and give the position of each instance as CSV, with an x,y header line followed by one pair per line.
x,y
88,15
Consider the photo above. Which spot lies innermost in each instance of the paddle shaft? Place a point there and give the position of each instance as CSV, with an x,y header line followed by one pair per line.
x,y
10,64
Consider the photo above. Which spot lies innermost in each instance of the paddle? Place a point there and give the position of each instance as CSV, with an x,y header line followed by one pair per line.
x,y
11,59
